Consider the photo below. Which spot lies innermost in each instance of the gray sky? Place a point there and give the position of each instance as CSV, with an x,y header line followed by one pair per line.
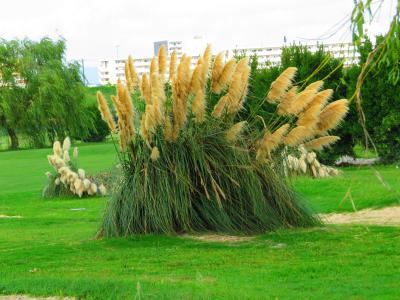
x,y
93,28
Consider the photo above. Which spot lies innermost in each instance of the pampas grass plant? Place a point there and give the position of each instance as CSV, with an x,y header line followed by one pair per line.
x,y
66,179
195,166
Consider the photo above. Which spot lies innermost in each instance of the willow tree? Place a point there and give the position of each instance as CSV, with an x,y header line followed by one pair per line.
x,y
41,95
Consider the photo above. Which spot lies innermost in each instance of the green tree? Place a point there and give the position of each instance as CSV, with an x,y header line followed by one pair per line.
x,y
381,106
41,95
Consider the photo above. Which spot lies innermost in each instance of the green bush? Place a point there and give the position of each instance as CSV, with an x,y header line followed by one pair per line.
x,y
381,105
99,131
335,77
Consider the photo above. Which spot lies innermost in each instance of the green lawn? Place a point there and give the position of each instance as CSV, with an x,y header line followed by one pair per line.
x,y
52,250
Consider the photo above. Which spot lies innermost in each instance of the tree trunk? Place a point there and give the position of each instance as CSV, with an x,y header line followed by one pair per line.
x,y
13,138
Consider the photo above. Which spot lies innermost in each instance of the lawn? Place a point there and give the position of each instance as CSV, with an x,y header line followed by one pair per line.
x,y
52,250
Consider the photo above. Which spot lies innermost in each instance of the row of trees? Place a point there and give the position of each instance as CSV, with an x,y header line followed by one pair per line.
x,y
41,96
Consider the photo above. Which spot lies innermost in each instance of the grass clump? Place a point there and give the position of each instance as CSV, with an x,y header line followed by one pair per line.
x,y
189,163
67,178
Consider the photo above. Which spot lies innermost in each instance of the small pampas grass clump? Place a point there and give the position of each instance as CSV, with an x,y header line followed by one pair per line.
x,y
319,143
281,85
307,164
193,165
66,178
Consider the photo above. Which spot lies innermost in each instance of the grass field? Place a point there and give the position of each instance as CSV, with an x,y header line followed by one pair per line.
x,y
51,250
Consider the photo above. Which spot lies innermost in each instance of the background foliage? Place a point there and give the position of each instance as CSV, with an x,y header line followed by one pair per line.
x,y
41,95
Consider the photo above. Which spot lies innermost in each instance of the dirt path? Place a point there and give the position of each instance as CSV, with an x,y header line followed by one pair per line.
x,y
389,216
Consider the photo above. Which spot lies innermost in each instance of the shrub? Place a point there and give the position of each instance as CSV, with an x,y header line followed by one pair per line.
x,y
190,163
381,105
99,131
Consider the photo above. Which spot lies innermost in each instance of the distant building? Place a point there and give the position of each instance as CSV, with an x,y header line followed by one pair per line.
x,y
112,70
272,55
170,46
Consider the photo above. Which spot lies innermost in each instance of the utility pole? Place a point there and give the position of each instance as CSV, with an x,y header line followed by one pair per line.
x,y
83,72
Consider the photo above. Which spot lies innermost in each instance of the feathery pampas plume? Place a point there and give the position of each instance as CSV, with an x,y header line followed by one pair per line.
x,y
332,115
216,72
199,106
128,81
319,143
321,98
287,100
226,76
238,88
153,66
66,144
301,101
315,86
296,136
172,65
66,156
145,89
233,133
133,77
105,111
162,61
197,76
270,142
281,85
57,148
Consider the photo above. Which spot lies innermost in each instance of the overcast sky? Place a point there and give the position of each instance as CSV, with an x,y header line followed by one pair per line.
x,y
93,28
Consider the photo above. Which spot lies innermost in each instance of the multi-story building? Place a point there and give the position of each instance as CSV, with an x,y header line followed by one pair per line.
x,y
272,55
112,70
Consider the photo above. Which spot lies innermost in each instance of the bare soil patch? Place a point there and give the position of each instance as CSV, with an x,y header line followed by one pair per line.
x,y
219,238
389,216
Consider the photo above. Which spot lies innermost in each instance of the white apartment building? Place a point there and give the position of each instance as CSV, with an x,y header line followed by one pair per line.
x,y
272,55
112,70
